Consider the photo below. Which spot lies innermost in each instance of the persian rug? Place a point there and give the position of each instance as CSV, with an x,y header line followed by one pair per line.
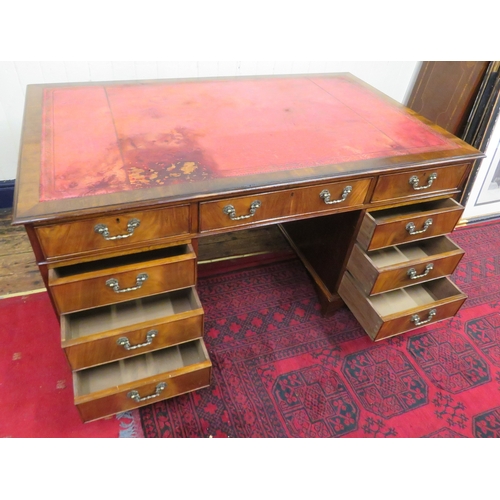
x,y
280,369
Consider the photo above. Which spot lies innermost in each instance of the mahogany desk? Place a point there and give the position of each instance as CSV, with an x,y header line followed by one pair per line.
x,y
117,181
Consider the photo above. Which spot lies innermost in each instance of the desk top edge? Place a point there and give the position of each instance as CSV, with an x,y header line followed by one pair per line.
x,y
28,209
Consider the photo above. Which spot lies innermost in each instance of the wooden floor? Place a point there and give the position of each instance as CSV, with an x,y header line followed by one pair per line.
x,y
18,270
19,273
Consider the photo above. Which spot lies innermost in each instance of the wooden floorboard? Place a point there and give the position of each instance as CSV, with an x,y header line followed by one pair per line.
x,y
19,273
18,270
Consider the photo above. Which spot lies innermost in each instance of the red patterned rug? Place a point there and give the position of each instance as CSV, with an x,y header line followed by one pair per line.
x,y
282,370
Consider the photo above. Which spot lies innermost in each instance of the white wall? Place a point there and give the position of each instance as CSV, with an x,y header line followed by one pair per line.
x,y
394,78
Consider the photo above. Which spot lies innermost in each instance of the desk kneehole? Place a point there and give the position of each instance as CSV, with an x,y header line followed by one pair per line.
x,y
399,311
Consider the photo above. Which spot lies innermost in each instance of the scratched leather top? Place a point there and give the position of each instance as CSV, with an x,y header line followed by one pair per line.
x,y
117,137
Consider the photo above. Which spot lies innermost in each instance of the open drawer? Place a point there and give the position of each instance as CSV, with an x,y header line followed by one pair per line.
x,y
109,333
141,380
118,279
403,265
399,311
393,226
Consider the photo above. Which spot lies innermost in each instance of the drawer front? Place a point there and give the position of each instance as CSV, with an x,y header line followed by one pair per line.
x,y
120,284
408,224
397,267
130,394
330,197
243,211
114,347
419,318
166,320
248,210
113,232
399,311
419,182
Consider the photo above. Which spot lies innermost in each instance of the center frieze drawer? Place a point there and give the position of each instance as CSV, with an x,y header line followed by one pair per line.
x,y
399,311
403,265
246,210
141,380
110,281
393,226
96,336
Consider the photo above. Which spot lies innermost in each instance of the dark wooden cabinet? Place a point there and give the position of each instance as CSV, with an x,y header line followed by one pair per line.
x,y
445,92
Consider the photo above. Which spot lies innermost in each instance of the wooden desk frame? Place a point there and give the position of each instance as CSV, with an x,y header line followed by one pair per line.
x,y
322,234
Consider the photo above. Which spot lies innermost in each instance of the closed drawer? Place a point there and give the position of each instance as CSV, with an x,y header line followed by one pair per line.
x,y
109,333
110,281
404,265
141,380
113,232
384,228
399,311
248,210
409,184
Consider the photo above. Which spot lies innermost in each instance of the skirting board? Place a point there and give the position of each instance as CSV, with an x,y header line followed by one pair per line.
x,y
6,194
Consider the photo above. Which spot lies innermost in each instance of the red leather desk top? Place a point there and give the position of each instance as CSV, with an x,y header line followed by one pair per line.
x,y
103,139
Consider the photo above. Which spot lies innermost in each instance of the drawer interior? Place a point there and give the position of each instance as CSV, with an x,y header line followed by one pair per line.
x,y
421,295
123,260
411,251
125,314
417,209
129,370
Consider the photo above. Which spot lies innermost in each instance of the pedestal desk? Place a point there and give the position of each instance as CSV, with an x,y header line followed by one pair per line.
x,y
117,182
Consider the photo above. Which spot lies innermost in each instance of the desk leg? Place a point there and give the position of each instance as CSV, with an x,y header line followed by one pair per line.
x,y
323,244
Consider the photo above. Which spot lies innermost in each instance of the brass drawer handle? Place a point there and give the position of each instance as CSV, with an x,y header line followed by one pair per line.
x,y
103,230
414,180
115,285
325,195
125,342
412,273
410,227
230,210
416,318
137,398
